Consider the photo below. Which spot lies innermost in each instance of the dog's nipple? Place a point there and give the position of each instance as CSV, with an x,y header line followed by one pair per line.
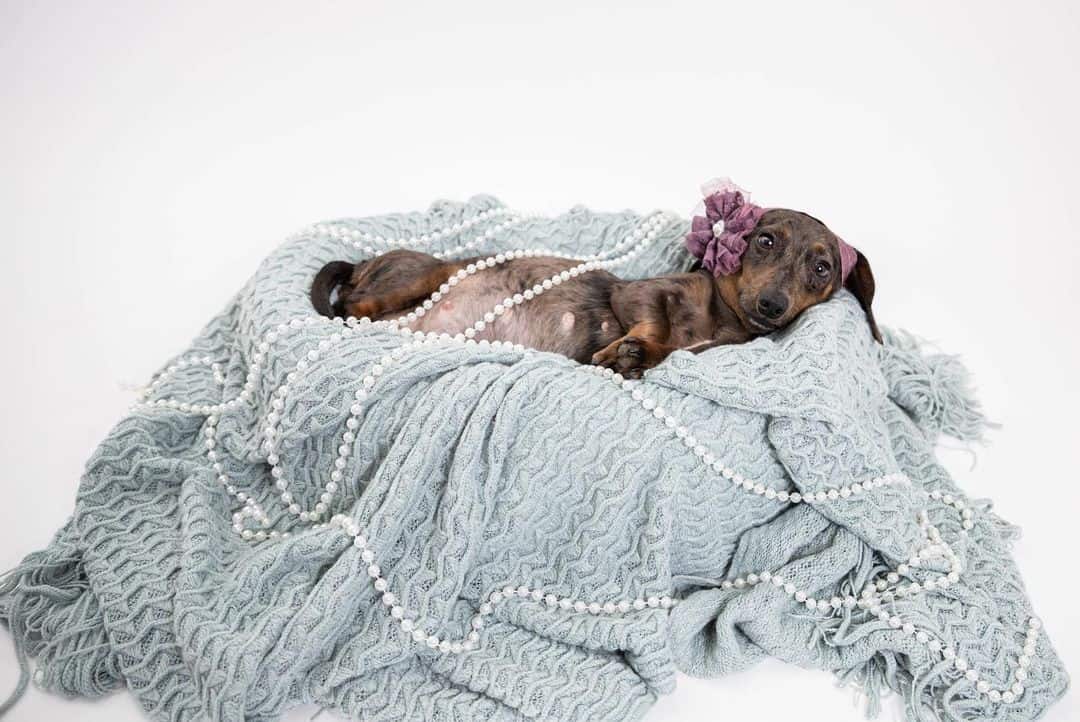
x,y
568,322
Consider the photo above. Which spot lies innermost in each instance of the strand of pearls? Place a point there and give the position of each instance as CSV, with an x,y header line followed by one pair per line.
x,y
713,464
254,368
480,239
642,236
348,437
191,361
881,592
250,507
886,589
967,522
419,632
359,239
873,596
645,234
272,432
709,460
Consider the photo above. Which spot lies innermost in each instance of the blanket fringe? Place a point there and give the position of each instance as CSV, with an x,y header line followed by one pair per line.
x,y
935,696
47,605
934,388
925,698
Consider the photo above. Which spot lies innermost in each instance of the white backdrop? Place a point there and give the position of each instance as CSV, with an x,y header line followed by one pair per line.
x,y
153,155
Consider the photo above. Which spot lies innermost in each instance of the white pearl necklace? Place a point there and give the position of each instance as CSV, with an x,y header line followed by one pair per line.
x,y
637,393
749,485
248,389
180,364
479,240
418,631
250,508
642,236
884,591
359,239
967,521
647,232
356,239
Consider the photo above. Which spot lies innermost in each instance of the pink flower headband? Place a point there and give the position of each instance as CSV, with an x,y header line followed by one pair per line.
x,y
719,237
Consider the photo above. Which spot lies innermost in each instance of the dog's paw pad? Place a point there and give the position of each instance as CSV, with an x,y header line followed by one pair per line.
x,y
630,358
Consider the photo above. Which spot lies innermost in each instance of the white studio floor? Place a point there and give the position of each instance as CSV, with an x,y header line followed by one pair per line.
x,y
153,155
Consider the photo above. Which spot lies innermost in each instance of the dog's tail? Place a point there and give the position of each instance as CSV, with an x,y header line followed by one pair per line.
x,y
330,278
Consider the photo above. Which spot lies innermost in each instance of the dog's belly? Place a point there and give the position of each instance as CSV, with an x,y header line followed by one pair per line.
x,y
574,318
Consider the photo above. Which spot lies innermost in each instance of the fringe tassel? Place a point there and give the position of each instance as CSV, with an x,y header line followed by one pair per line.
x,y
935,389
53,616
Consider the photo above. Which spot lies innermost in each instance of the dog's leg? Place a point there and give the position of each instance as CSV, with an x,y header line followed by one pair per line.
x,y
644,308
643,347
723,339
395,282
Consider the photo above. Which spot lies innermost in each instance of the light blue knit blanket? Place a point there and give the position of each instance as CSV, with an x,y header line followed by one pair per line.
x,y
536,540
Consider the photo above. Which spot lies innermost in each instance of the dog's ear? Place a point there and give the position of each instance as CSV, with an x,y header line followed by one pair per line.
x,y
861,283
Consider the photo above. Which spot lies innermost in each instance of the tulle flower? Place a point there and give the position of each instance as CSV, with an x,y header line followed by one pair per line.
x,y
719,237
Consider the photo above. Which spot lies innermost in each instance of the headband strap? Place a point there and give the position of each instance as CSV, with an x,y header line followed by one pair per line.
x,y
848,258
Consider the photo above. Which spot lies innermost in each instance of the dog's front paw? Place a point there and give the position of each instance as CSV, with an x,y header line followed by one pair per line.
x,y
626,356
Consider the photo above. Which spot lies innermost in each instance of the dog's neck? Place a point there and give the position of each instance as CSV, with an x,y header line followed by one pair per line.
x,y
729,319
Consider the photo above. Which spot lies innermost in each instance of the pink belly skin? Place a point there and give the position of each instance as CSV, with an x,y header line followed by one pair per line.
x,y
554,321
468,302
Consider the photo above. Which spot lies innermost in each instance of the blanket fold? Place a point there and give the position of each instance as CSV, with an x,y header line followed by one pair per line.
x,y
505,534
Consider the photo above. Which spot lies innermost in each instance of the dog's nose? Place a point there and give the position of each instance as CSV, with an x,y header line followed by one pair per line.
x,y
771,305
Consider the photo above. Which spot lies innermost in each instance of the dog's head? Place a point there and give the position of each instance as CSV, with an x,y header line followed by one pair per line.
x,y
792,262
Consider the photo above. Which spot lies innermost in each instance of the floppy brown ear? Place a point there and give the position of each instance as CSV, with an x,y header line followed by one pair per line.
x,y
861,283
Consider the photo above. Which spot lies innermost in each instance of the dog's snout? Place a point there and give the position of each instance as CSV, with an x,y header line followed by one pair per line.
x,y
772,305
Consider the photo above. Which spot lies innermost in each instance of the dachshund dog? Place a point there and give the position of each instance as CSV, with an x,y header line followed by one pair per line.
x,y
792,262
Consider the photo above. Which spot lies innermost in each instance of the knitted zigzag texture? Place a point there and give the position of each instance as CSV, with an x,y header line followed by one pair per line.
x,y
477,467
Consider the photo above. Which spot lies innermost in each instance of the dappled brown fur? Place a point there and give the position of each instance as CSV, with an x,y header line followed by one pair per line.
x,y
792,263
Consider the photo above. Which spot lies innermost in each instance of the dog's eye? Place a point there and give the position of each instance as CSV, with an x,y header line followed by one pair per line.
x,y
822,268
765,241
